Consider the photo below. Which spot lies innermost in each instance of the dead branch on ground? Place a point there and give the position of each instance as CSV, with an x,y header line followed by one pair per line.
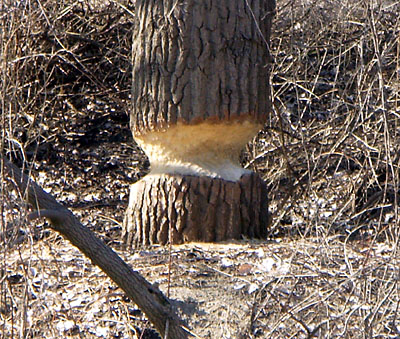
x,y
148,297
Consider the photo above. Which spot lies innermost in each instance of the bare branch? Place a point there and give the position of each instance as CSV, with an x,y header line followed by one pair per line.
x,y
148,297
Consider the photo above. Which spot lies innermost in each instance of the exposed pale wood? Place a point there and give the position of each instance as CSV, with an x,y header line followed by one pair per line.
x,y
204,149
148,297
200,92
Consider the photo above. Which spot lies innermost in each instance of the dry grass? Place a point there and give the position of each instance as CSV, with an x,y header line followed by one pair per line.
x,y
330,154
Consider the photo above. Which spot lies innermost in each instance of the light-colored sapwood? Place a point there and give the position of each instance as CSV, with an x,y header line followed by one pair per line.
x,y
200,92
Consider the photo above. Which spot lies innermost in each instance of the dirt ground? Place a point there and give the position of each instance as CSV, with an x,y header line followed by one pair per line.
x,y
316,288
330,156
330,286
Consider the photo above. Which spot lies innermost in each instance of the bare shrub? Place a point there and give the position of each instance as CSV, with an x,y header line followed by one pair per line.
x,y
331,150
56,58
330,155
59,56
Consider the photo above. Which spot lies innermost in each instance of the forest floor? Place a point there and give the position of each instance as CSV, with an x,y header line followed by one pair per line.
x,y
249,289
326,286
330,156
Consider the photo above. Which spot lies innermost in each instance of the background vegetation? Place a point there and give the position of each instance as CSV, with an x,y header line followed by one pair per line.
x,y
330,155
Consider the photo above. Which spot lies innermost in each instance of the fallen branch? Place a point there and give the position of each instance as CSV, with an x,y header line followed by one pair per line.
x,y
149,298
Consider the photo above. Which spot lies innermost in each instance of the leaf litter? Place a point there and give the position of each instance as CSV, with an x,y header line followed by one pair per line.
x,y
329,156
250,288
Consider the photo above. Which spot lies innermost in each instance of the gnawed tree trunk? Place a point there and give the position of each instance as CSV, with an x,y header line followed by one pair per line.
x,y
200,93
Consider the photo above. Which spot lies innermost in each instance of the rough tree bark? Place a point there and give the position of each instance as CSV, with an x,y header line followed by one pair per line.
x,y
148,297
200,93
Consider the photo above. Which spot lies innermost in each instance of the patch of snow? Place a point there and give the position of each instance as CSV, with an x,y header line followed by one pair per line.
x,y
268,264
102,331
65,325
225,262
239,286
253,288
260,252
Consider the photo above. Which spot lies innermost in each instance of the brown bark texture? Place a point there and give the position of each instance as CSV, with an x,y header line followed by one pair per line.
x,y
148,297
200,92
196,208
200,60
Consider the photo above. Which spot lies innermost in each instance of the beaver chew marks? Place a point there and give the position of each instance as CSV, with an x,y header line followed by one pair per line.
x,y
204,150
200,92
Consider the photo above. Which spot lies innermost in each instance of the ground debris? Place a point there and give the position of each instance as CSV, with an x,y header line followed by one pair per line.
x,y
254,289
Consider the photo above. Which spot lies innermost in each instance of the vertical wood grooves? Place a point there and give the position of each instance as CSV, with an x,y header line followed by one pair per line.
x,y
200,92
199,208
199,60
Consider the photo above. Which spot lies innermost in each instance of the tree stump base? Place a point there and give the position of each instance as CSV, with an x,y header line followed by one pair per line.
x,y
187,208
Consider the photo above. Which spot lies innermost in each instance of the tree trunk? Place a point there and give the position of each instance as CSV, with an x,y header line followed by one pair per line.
x,y
200,93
